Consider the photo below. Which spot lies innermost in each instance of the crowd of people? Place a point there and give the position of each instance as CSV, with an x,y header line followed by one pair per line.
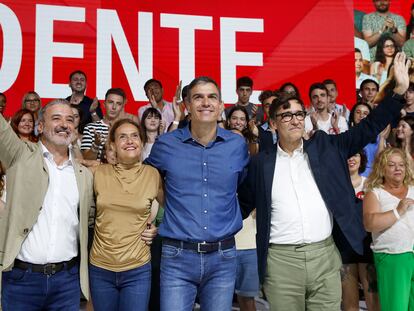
x,y
190,202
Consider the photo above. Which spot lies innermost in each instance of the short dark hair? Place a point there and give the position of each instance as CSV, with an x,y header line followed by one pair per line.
x,y
266,94
184,92
77,72
244,81
202,80
115,91
366,81
411,85
329,81
358,51
286,84
316,86
4,95
151,81
283,101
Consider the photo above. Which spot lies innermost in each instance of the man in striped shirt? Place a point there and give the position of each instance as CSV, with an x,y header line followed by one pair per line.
x,y
95,134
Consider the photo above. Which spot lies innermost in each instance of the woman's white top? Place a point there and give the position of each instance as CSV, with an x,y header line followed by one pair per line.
x,y
146,150
399,238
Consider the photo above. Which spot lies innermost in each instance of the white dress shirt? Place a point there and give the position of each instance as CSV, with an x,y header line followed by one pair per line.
x,y
54,237
299,214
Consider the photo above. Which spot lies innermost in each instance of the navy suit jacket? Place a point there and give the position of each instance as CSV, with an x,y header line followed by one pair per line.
x,y
328,156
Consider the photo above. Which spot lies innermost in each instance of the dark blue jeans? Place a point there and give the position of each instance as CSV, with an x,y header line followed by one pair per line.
x,y
30,291
186,273
120,291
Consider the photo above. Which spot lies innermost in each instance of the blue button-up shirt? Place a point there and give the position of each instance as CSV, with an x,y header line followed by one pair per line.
x,y
201,183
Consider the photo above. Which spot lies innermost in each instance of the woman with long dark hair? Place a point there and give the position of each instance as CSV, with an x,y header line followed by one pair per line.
x,y
238,121
404,135
357,268
150,129
386,50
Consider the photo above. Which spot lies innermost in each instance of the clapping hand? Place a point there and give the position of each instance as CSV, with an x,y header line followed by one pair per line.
x,y
152,100
176,109
94,105
178,91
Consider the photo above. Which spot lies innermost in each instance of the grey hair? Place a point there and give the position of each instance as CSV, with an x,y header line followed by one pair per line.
x,y
54,102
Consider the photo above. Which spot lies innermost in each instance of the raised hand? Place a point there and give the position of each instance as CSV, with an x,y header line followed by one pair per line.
x,y
176,109
402,79
162,127
153,102
99,139
385,132
254,112
94,105
253,128
178,91
314,119
343,113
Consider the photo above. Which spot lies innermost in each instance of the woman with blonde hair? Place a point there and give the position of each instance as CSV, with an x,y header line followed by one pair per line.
x,y
31,101
389,214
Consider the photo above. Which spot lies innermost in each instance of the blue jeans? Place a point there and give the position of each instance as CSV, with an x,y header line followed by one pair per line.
x,y
123,291
247,279
29,291
186,273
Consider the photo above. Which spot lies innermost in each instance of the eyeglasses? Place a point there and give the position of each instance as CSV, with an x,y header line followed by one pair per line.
x,y
288,116
389,46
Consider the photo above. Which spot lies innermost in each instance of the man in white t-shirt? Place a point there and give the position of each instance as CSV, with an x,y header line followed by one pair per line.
x,y
321,118
333,95
359,66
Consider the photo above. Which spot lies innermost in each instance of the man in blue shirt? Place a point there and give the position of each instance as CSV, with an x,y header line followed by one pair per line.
x,y
202,165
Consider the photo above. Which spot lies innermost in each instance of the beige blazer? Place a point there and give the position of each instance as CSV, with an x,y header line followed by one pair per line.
x,y
27,183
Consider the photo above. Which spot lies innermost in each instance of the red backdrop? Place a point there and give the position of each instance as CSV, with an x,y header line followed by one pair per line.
x,y
298,41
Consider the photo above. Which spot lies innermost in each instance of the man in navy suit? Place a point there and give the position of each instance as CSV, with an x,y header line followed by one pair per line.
x,y
301,190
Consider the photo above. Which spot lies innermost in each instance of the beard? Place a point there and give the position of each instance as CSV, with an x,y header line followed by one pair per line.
x,y
383,9
52,136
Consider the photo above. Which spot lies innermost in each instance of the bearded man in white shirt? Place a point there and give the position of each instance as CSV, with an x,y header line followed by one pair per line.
x,y
44,228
